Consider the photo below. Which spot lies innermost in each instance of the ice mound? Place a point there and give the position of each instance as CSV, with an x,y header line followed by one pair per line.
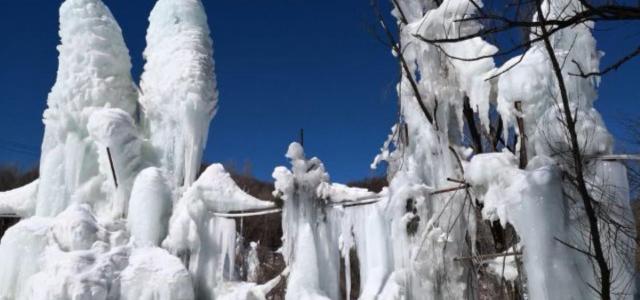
x,y
20,201
154,274
20,250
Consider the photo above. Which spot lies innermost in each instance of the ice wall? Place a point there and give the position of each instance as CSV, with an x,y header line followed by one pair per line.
x,y
364,228
179,96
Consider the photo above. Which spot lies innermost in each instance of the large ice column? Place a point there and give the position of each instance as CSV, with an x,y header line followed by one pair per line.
x,y
149,208
179,86
93,72
205,242
532,201
308,225
364,228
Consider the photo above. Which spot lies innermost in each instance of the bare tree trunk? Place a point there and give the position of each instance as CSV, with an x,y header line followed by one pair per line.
x,y
605,273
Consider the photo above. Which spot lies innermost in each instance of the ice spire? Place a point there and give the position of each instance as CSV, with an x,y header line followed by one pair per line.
x,y
93,73
310,230
179,87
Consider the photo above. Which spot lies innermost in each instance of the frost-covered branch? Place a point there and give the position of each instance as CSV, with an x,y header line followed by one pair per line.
x,y
397,50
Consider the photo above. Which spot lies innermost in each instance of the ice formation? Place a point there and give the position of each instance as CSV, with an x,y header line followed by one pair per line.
x,y
149,208
253,263
20,201
533,83
179,96
427,230
20,248
521,198
318,230
116,186
119,211
309,231
207,243
152,274
425,156
93,74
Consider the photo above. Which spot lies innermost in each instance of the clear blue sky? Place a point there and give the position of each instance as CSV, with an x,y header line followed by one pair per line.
x,y
282,65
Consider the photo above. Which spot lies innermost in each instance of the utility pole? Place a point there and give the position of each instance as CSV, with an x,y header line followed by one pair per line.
x,y
302,137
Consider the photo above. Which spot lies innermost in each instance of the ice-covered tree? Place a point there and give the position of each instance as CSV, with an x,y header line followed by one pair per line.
x,y
431,219
569,208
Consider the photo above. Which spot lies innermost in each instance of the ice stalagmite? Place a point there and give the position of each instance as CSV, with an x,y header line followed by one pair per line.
x,y
149,208
93,73
179,86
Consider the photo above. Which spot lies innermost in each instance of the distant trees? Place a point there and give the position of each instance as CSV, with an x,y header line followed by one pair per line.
x,y
12,177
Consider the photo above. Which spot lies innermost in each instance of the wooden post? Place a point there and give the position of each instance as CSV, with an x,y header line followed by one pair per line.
x,y
302,137
113,170
523,137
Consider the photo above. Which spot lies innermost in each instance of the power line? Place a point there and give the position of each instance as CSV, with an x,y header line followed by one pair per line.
x,y
17,147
